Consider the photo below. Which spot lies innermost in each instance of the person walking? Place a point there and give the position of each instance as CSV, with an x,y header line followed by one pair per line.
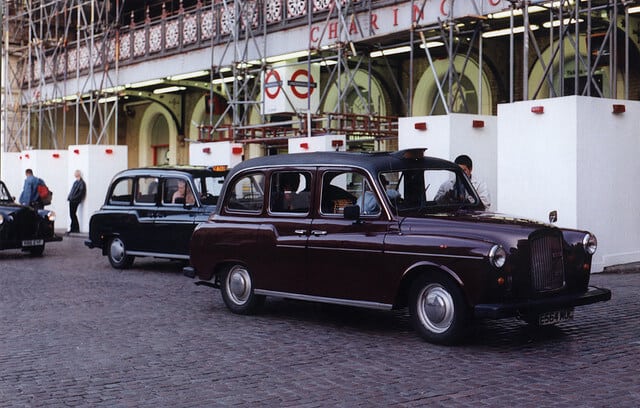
x,y
75,197
29,195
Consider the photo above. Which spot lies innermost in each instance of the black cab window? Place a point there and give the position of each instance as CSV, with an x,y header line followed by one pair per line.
x,y
290,192
147,192
177,191
122,192
246,193
344,188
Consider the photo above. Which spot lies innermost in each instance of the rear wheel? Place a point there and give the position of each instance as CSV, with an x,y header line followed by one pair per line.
x,y
117,254
237,291
438,310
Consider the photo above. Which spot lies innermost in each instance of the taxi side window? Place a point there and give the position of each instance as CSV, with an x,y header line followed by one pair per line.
x,y
290,192
246,194
147,191
177,191
344,188
122,192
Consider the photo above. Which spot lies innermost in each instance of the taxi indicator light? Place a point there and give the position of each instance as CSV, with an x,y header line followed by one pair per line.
x,y
108,151
236,150
304,146
206,150
219,168
501,281
537,110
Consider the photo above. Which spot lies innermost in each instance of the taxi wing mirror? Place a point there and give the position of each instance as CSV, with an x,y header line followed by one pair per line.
x,y
352,212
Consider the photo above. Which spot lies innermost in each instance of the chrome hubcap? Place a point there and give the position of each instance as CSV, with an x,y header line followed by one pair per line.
x,y
238,284
436,308
117,250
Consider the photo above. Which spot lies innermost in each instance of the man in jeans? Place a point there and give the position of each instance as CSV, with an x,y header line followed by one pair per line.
x,y
29,194
75,197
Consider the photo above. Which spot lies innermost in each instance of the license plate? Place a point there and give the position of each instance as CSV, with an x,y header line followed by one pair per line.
x,y
32,242
545,319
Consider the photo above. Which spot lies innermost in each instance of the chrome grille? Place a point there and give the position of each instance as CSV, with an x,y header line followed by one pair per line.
x,y
547,263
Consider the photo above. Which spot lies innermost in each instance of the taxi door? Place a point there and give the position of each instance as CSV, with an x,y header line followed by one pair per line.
x,y
345,257
176,217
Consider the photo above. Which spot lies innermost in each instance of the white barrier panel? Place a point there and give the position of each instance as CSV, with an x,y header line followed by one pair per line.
x,y
215,154
448,136
50,166
11,172
325,143
576,155
98,164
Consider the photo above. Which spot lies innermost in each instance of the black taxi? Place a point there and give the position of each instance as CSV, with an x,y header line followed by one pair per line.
x,y
387,230
23,227
153,212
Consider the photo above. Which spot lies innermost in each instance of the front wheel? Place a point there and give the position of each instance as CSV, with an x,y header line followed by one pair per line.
x,y
438,310
237,291
117,254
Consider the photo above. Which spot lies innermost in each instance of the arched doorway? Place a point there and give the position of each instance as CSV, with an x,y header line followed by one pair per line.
x,y
478,99
601,75
369,98
200,117
158,137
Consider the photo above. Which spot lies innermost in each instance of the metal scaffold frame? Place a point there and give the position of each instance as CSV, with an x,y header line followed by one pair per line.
x,y
81,104
40,41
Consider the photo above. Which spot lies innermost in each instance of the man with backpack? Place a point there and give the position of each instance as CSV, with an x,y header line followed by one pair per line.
x,y
34,192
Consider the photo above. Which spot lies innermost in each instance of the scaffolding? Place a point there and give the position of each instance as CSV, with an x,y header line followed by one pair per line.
x,y
61,62
46,46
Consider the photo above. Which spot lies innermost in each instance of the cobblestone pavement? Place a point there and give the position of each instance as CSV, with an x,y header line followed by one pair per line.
x,y
75,332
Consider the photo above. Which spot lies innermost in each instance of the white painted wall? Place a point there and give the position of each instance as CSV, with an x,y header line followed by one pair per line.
x,y
11,172
215,154
448,136
50,166
98,164
325,143
580,159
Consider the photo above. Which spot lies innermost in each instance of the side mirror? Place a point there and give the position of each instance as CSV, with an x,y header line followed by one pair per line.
x,y
352,212
553,216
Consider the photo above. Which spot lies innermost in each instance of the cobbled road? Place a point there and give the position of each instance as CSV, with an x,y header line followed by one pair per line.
x,y
75,332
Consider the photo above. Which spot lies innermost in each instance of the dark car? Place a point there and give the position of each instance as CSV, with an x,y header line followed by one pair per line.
x,y
23,227
386,231
153,211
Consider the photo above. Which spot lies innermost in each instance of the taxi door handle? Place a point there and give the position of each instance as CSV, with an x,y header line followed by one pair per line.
x,y
300,232
318,232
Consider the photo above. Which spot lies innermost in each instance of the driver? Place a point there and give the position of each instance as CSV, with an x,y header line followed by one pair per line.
x,y
450,189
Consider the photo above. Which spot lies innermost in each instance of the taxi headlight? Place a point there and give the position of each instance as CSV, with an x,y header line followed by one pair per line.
x,y
51,216
497,256
1,219
590,244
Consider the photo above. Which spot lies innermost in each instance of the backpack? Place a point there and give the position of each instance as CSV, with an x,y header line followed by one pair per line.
x,y
44,193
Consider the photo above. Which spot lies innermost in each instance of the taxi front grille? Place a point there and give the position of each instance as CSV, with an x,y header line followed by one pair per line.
x,y
547,263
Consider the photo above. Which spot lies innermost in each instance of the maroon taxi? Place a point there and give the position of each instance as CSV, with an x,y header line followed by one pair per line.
x,y
374,230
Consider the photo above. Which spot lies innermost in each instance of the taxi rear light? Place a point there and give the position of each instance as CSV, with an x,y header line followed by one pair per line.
x,y
219,168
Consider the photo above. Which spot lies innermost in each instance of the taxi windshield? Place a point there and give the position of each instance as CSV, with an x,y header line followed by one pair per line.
x,y
4,193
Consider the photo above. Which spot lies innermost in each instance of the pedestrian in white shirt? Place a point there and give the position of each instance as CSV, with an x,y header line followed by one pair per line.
x,y
466,164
